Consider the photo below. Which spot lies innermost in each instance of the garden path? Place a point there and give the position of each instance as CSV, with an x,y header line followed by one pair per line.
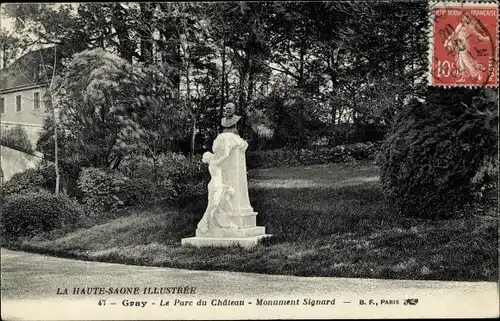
x,y
30,283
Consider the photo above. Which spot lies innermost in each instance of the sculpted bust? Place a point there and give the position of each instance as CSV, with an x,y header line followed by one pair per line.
x,y
230,120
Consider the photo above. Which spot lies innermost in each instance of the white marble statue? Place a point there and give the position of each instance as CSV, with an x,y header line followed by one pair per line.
x,y
219,195
228,189
229,218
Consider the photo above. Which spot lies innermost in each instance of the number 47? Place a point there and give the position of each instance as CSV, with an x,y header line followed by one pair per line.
x,y
101,302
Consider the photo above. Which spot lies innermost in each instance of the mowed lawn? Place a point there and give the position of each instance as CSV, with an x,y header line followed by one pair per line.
x,y
327,220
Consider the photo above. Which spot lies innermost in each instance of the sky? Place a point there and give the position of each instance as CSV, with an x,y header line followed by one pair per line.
x,y
7,25
5,22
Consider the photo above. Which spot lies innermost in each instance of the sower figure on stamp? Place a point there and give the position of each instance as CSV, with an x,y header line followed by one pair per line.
x,y
458,41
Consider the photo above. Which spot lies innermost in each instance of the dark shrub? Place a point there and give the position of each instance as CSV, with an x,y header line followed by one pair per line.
x,y
33,179
438,155
16,138
44,177
137,184
171,176
137,191
102,188
281,121
35,212
189,176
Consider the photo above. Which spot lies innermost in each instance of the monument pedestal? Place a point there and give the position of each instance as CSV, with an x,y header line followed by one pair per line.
x,y
245,233
246,242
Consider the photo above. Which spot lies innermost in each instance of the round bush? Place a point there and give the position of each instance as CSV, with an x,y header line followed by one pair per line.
x,y
101,188
33,179
137,191
34,212
432,158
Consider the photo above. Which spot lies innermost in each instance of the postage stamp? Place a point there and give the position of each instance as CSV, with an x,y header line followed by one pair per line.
x,y
464,44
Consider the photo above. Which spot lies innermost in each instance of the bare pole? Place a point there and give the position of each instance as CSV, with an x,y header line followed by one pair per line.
x,y
56,147
50,85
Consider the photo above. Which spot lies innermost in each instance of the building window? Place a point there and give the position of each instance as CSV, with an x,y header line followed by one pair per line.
x,y
2,105
36,100
18,103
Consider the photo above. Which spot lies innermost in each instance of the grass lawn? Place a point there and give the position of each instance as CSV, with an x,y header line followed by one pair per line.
x,y
327,220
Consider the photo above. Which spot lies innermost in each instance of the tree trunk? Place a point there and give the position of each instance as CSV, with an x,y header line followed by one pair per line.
x,y
241,92
223,80
188,102
302,54
193,135
301,68
146,34
155,170
333,112
251,86
242,101
56,147
56,153
125,49
227,86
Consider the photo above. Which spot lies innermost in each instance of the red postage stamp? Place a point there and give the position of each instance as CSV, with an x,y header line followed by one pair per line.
x,y
464,47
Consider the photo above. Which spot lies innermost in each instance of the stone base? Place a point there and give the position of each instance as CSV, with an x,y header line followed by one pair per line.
x,y
246,242
243,218
229,232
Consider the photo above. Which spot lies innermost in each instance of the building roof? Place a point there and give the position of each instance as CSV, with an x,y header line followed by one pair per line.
x,y
28,70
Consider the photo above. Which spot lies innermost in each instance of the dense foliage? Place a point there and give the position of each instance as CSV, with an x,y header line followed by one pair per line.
x,y
16,138
441,154
43,178
323,66
31,213
172,177
102,188
139,180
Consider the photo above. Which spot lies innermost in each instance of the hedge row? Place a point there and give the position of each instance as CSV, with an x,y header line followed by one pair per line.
x,y
313,156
